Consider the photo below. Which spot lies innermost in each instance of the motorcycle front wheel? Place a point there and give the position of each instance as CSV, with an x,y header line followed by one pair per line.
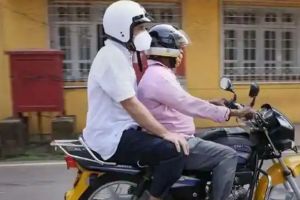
x,y
280,193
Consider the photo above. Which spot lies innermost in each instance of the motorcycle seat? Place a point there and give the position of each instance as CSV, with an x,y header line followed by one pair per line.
x,y
213,134
96,166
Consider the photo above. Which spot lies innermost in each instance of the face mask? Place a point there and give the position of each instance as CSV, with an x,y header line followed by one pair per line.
x,y
142,41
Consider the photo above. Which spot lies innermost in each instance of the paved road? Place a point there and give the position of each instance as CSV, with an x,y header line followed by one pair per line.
x,y
39,182
34,182
297,134
46,181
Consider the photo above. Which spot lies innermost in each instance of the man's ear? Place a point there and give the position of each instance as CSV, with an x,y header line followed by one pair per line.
x,y
178,60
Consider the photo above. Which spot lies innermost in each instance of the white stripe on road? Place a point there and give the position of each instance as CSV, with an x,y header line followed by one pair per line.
x,y
31,164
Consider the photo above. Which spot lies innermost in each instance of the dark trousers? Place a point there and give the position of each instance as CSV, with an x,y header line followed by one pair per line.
x,y
221,160
138,146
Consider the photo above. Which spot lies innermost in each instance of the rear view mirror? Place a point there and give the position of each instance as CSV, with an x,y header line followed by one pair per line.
x,y
254,90
226,84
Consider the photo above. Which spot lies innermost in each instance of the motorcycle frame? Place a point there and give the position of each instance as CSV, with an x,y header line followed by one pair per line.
x,y
278,173
145,175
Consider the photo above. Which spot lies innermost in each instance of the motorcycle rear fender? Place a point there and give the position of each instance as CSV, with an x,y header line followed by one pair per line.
x,y
275,172
81,183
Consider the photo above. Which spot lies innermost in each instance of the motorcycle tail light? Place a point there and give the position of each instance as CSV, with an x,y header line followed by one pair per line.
x,y
71,162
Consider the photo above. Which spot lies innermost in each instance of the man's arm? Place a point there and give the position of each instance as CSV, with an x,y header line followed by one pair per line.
x,y
144,118
167,91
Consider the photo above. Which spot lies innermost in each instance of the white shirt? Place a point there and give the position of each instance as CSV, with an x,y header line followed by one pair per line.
x,y
111,80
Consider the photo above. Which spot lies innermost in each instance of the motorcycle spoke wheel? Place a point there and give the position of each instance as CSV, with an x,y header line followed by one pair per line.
x,y
118,190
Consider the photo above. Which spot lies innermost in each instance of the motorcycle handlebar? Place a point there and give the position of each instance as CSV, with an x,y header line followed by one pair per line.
x,y
233,105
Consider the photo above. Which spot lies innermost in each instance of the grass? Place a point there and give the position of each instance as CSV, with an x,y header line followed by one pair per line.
x,y
37,152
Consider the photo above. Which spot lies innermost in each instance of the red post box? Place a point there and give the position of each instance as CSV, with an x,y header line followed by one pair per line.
x,y
37,80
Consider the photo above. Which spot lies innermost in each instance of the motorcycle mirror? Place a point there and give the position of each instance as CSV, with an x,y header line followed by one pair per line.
x,y
254,90
226,84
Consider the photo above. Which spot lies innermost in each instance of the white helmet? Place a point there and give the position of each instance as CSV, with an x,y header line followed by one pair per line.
x,y
120,18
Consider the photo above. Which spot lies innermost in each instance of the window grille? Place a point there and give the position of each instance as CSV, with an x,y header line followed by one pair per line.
x,y
76,28
261,44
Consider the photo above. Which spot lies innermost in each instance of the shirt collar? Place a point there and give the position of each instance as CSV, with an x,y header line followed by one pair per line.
x,y
155,63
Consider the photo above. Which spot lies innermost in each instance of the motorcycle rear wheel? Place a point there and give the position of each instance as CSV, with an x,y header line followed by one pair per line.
x,y
111,186
114,187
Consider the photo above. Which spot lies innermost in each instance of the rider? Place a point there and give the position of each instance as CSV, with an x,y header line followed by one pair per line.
x,y
115,114
173,107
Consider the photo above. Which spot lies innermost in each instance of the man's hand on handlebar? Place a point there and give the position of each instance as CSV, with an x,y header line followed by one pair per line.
x,y
236,109
244,112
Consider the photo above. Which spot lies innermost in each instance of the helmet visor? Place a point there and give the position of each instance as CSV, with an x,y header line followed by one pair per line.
x,y
181,38
177,39
141,18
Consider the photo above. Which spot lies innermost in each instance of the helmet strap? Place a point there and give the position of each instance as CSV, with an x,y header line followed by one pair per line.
x,y
139,59
172,63
129,45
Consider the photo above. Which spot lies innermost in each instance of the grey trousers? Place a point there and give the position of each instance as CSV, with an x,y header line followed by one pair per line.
x,y
220,159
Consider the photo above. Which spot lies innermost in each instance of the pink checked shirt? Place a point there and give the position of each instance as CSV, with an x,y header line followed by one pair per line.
x,y
170,104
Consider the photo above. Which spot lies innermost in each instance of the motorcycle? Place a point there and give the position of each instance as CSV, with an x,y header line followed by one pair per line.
x,y
264,137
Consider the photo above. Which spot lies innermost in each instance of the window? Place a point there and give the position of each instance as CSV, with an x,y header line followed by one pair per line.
x,y
76,28
261,44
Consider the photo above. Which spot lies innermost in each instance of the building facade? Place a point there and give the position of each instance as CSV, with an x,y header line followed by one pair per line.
x,y
240,39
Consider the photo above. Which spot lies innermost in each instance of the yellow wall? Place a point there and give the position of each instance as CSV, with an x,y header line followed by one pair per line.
x,y
23,26
26,27
3,85
273,3
76,104
202,22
